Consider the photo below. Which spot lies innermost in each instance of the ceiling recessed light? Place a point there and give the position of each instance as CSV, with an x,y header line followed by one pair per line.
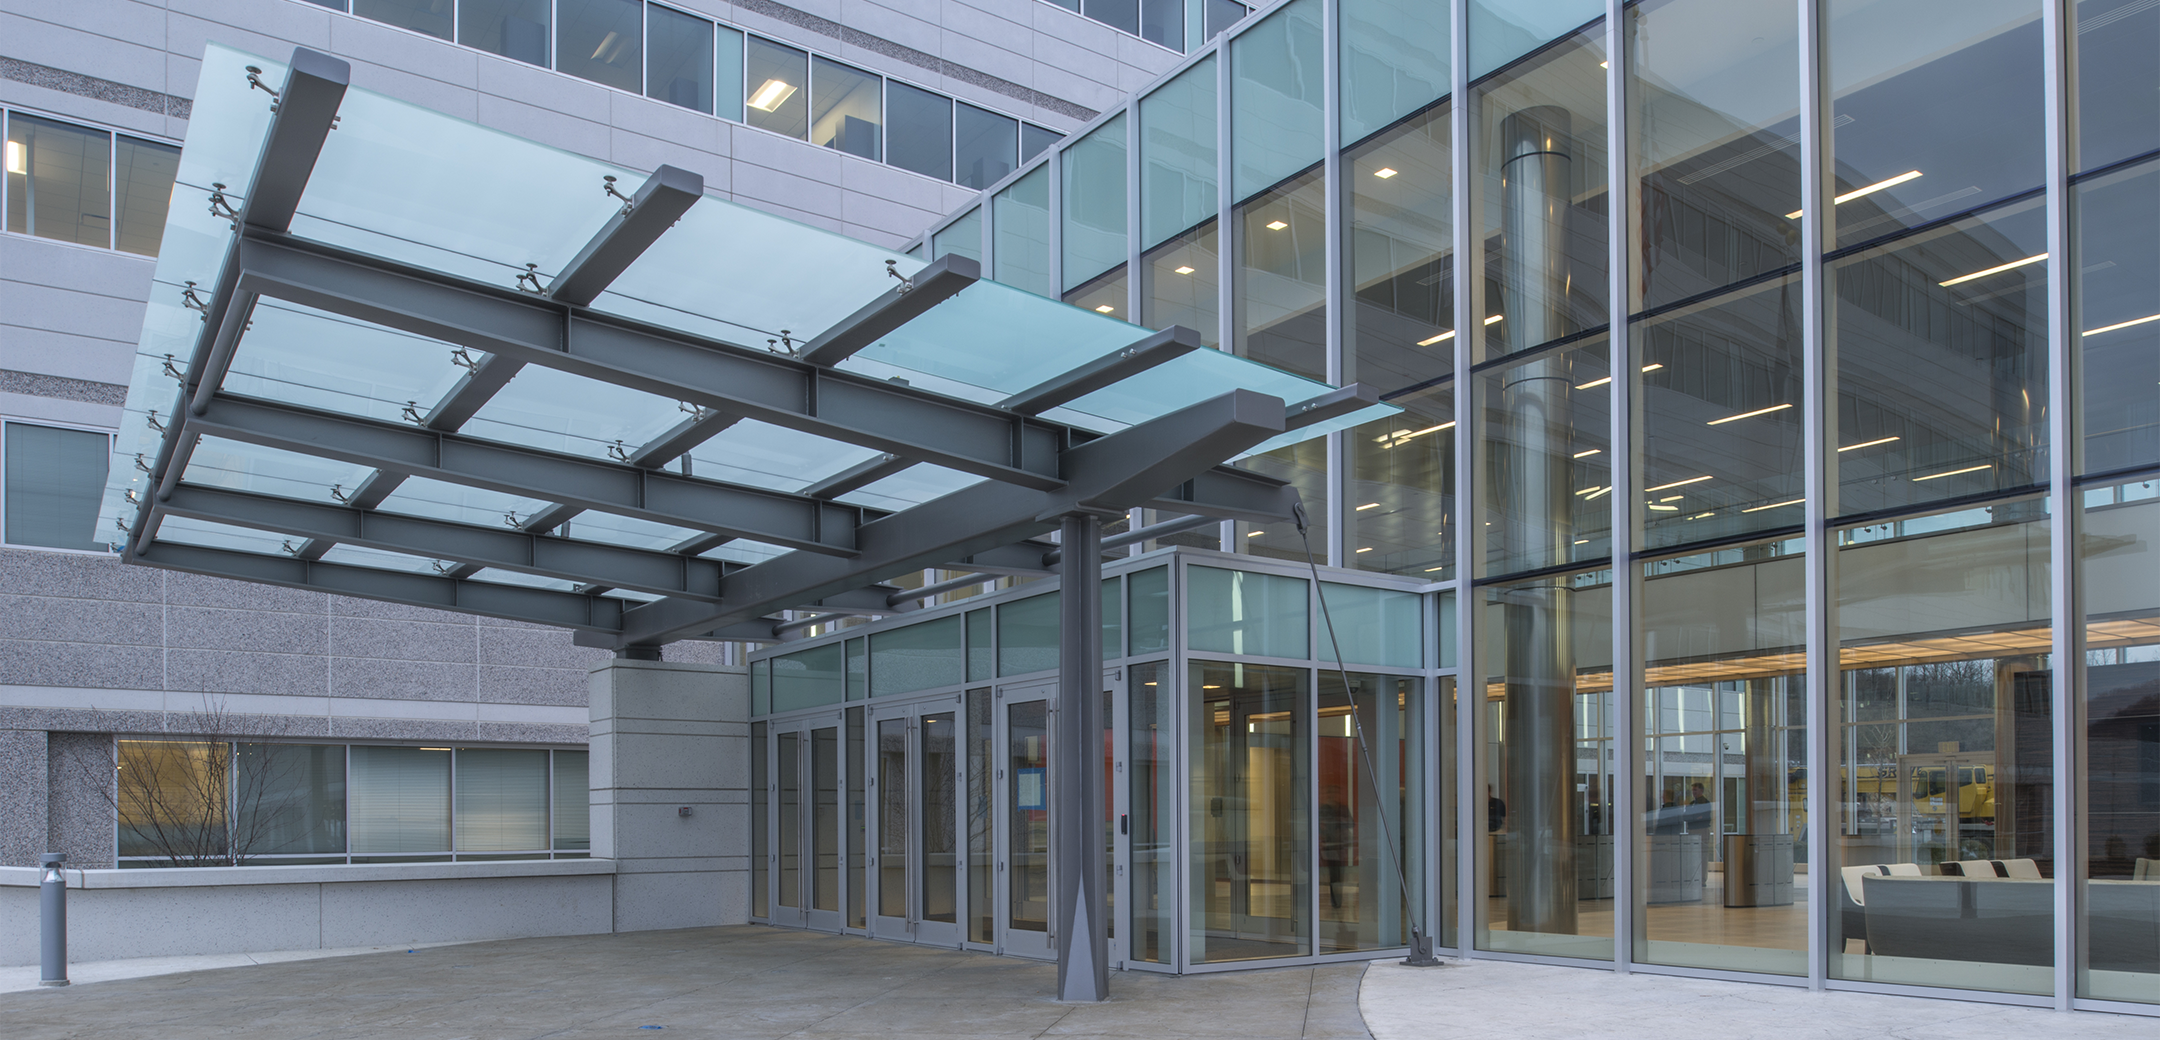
x,y
1384,172
1253,534
769,96
1367,549
1867,444
1429,341
1775,505
1680,483
1997,269
1105,309
1368,505
1653,366
2088,332
1748,415
1862,192
1184,270
1587,454
1276,225
1955,472
1494,320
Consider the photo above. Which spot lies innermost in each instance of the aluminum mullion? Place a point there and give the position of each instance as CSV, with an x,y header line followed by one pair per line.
x,y
1336,300
1625,742
1469,543
1133,139
2068,649
1226,241
1055,232
1820,488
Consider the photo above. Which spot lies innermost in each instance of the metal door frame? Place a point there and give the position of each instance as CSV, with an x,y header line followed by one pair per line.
x,y
1006,940
911,927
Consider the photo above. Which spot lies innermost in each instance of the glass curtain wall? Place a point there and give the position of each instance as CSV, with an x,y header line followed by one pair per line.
x,y
1250,772
1179,193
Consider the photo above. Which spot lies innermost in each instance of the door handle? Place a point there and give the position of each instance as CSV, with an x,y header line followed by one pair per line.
x,y
1124,824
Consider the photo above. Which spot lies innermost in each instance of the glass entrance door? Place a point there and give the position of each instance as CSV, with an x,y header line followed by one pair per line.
x,y
805,838
916,774
1025,898
788,906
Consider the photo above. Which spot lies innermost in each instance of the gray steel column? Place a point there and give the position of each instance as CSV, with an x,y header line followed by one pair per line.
x,y
52,921
1819,462
1470,539
1539,525
1076,840
1623,722
2065,444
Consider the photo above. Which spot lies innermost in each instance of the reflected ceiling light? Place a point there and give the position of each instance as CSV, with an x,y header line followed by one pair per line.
x,y
1699,516
1860,192
1587,490
1774,505
1276,225
12,154
1104,309
1399,437
1184,270
1682,483
1664,509
1605,64
1368,505
1955,472
1672,498
1385,172
1587,454
1582,541
1593,383
1450,334
1593,494
1211,687
1367,549
1494,320
1253,534
434,749
1653,366
16,163
1748,415
1442,567
1997,269
769,97
605,43
1865,444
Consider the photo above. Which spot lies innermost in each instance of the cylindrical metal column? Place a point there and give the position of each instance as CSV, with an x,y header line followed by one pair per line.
x,y
1076,816
1540,709
52,921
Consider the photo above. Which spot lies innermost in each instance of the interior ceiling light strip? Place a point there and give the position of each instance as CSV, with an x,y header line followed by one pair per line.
x,y
1748,415
1997,269
1863,192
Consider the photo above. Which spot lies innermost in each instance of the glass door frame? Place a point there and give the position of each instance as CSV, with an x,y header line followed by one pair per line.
x,y
912,927
1007,940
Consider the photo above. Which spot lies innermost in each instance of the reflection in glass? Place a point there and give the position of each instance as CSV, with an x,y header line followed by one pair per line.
x,y
1542,127
1944,803
1178,284
54,478
1275,97
601,40
825,819
1280,292
962,237
1105,295
1177,154
1401,512
1034,140
1547,466
1251,843
981,751
1724,783
773,81
1094,178
502,799
1942,362
679,70
1936,109
1304,465
1716,142
512,28
787,763
1547,862
847,109
760,839
142,189
2118,83
1370,817
1152,811
58,180
1395,58
1719,398
2117,235
857,819
2121,741
1401,256
940,805
984,146
922,130
892,823
1503,30
1020,227
1027,829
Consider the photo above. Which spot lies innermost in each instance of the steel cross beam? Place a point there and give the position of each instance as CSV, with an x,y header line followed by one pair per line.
x,y
1168,345
1107,475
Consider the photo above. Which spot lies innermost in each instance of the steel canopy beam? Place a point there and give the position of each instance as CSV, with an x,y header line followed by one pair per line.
x,y
1331,405
653,208
755,384
766,516
305,111
645,570
1106,475
899,305
1167,345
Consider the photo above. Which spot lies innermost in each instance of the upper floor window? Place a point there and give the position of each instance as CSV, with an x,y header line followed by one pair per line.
x,y
54,479
85,185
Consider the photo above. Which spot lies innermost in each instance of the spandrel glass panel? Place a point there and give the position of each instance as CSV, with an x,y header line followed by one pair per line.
x,y
985,145
962,237
1504,30
773,81
55,478
603,41
1394,58
981,647
728,74
1276,87
911,486
1279,290
1251,853
1945,751
679,70
1401,513
1248,613
502,799
1305,466
552,410
807,678
1222,14
1542,127
1942,362
1546,861
423,16
573,800
1148,604
1936,106
1371,770
922,130
303,356
1719,393
761,688
1113,621
1715,144
1400,256
858,670
59,180
847,109
512,28
767,456
1094,210
2118,83
419,496
1724,640
1547,462
1035,140
1179,282
1105,295
918,657
400,799
1027,635
142,189
2117,238
1448,634
1020,229
240,466
1382,627
1177,154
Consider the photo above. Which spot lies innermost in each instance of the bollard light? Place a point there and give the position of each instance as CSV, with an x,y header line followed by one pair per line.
x,y
52,921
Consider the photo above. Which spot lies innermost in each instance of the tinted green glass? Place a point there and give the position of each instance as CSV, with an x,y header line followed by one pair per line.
x,y
962,237
1395,57
1275,97
1094,211
1242,612
1021,229
917,657
807,678
1177,154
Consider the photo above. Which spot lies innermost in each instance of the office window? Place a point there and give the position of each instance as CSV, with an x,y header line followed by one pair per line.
x,y
142,190
847,109
1178,284
424,16
2118,82
571,788
603,41
1163,22
1094,210
1034,140
401,801
512,28
1280,291
2116,232
1401,256
679,70
59,180
55,480
1401,494
984,144
1222,14
1275,96
922,130
1122,15
502,799
213,803
774,76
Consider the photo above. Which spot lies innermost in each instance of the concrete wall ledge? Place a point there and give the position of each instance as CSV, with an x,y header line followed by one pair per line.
x,y
310,874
